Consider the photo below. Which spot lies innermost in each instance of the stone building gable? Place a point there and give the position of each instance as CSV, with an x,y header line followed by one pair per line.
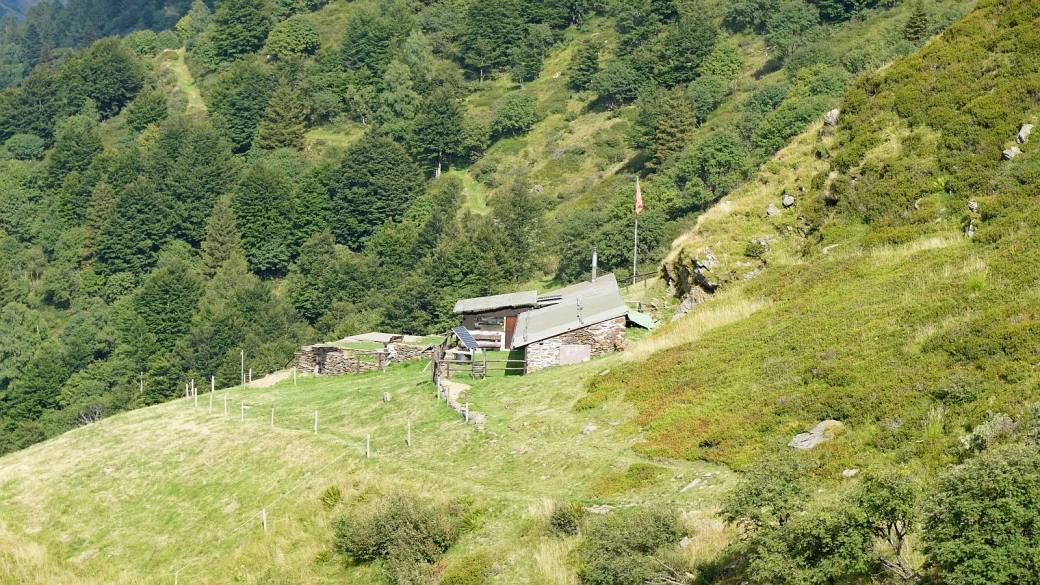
x,y
602,338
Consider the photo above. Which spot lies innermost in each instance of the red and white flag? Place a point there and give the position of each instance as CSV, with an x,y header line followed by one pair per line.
x,y
639,197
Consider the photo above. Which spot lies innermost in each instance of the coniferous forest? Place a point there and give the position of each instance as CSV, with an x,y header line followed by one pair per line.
x,y
181,182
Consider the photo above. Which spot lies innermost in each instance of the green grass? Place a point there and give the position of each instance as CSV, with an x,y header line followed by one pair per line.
x,y
185,81
156,489
476,193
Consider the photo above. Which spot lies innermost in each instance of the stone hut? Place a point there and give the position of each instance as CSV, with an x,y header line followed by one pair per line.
x,y
587,320
492,320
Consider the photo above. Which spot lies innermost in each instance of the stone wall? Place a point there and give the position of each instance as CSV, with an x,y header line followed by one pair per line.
x,y
603,338
327,360
404,353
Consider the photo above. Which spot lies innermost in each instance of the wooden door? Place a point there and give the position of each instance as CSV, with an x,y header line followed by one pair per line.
x,y
510,327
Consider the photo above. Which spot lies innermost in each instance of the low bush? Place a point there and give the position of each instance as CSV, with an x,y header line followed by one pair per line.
x,y
405,532
624,548
565,517
471,570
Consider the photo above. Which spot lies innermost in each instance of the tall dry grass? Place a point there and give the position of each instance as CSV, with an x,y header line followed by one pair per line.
x,y
718,312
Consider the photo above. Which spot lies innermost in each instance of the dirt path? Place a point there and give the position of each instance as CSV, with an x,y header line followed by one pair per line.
x,y
270,379
185,81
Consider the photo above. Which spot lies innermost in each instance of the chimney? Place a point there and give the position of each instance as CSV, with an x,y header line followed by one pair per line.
x,y
594,264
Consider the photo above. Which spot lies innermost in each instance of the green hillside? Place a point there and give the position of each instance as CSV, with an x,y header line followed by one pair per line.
x,y
173,487
251,193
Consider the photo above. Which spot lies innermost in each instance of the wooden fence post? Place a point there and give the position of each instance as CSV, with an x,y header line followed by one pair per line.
x,y
315,422
368,446
250,375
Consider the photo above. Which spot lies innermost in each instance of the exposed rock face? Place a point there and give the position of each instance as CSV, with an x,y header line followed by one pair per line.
x,y
831,119
973,206
824,431
603,338
1012,152
772,210
788,200
1023,134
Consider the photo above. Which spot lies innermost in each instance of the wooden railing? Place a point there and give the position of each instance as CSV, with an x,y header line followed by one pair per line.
x,y
637,278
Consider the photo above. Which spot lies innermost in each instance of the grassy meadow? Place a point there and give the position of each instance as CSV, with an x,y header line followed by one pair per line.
x,y
174,487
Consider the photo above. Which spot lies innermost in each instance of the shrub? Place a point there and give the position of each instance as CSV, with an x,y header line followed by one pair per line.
x,y
471,570
768,493
566,517
296,36
142,42
620,548
405,532
516,115
25,146
980,522
636,476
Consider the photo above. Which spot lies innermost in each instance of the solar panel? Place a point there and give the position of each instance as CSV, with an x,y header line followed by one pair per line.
x,y
465,337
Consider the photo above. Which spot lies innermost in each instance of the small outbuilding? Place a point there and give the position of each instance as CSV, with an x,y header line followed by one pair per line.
x,y
492,320
574,324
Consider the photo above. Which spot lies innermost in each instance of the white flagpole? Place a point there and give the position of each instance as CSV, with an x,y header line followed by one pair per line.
x,y
635,232
635,249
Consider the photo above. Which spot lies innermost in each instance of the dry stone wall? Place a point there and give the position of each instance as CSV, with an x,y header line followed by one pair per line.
x,y
330,360
603,338
403,353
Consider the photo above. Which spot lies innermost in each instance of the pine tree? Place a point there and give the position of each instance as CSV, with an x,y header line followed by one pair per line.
x,y
438,128
78,143
375,180
241,27
147,108
74,198
263,211
102,202
168,300
284,122
674,128
6,282
584,65
136,230
192,167
32,44
222,238
917,27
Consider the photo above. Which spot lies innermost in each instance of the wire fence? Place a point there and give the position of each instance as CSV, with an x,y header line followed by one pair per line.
x,y
221,407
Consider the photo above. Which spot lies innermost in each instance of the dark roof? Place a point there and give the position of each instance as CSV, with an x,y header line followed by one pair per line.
x,y
581,305
508,301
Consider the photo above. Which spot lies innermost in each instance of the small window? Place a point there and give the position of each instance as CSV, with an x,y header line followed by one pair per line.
x,y
491,324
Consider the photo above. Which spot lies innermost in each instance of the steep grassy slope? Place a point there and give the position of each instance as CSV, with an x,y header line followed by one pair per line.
x,y
876,308
143,494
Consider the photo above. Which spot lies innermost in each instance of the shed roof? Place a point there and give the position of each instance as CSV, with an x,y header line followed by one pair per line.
x,y
605,282
374,337
590,305
642,319
507,301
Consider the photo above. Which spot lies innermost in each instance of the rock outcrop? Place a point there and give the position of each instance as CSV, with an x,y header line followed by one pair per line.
x,y
822,432
1023,134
